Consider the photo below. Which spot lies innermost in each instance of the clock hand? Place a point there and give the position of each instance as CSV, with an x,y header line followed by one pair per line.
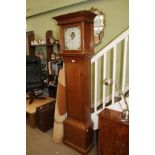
x,y
72,35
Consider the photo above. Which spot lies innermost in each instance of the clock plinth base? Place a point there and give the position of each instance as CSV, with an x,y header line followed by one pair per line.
x,y
78,135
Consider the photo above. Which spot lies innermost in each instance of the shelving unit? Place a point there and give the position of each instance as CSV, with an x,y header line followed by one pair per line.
x,y
49,47
49,51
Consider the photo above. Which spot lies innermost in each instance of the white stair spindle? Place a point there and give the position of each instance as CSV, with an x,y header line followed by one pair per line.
x,y
114,72
124,64
96,78
104,77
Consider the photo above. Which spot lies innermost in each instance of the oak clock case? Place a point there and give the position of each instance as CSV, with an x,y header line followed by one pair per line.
x,y
77,46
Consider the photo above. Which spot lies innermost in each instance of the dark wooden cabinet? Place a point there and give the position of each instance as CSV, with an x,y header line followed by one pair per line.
x,y
45,116
113,137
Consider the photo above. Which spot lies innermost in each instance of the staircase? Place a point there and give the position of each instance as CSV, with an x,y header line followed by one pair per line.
x,y
100,93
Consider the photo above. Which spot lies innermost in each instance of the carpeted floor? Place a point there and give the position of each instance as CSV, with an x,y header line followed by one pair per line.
x,y
40,143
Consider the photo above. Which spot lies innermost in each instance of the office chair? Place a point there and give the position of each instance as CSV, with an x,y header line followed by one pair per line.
x,y
35,77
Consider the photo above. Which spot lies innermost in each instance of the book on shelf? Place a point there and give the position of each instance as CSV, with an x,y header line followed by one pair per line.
x,y
54,67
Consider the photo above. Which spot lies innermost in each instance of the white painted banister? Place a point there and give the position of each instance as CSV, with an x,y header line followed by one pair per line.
x,y
110,45
95,60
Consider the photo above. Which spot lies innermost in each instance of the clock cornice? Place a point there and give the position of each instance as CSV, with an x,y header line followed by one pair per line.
x,y
78,16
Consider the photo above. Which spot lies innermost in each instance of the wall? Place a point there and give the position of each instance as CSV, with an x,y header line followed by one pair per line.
x,y
116,12
117,20
39,6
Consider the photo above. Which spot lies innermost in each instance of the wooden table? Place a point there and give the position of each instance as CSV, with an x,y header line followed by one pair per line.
x,y
31,109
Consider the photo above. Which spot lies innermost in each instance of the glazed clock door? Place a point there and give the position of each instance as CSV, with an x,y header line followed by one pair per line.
x,y
74,83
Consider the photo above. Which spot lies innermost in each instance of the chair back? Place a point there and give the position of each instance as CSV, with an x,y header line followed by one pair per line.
x,y
33,69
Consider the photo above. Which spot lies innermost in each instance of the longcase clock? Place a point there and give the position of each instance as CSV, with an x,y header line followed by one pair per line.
x,y
77,47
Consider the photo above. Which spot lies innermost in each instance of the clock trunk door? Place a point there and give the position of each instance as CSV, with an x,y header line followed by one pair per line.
x,y
75,90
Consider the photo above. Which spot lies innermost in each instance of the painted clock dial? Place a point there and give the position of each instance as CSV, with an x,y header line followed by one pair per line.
x,y
72,37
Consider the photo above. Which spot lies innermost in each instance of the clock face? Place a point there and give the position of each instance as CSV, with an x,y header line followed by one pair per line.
x,y
72,37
